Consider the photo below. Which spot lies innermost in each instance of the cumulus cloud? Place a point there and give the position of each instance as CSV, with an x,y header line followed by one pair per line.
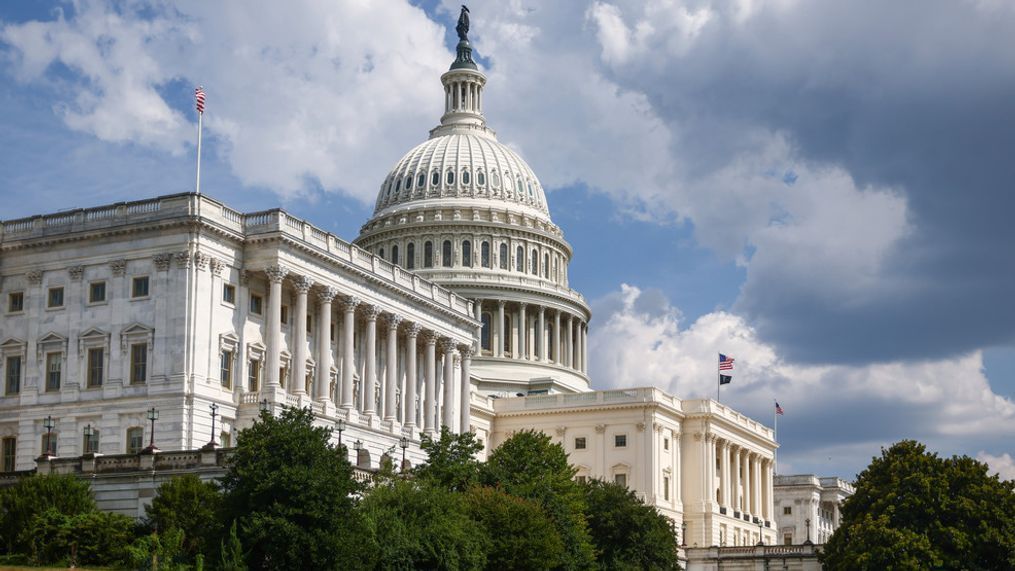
x,y
1003,465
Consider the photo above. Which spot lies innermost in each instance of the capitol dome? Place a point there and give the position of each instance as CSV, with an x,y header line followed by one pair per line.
x,y
465,211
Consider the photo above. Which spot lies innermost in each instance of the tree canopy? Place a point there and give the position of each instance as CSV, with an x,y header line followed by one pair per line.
x,y
193,507
628,534
451,460
34,495
914,510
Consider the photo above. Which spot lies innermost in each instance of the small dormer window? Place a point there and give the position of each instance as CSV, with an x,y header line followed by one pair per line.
x,y
398,185
481,178
435,179
495,180
421,180
408,182
466,179
450,177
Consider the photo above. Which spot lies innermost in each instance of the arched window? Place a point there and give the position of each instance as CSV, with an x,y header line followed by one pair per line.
x,y
446,260
394,254
420,180
435,178
535,262
408,182
410,256
467,254
380,253
519,259
484,253
555,268
466,179
428,254
504,256
481,178
484,336
508,184
135,439
546,266
398,185
363,458
495,178
450,178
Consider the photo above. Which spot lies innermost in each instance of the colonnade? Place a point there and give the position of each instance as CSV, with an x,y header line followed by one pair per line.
x,y
534,333
361,373
745,481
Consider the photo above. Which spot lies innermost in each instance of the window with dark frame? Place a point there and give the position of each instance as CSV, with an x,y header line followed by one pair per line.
x,y
96,358
96,292
138,363
135,439
620,440
229,293
428,254
579,443
12,375
15,301
139,287
54,367
256,304
54,298
10,453
49,441
90,442
226,369
254,376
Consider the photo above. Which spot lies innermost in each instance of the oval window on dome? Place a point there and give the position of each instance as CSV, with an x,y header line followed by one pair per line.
x,y
507,183
495,179
532,193
408,182
450,177
398,185
466,179
421,180
521,188
503,256
435,178
481,178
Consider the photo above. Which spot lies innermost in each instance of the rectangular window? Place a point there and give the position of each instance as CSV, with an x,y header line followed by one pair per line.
x,y
620,479
135,439
579,443
666,443
666,488
95,367
96,292
229,293
226,439
10,453
54,366
787,510
285,314
49,443
226,369
90,442
139,287
15,302
331,332
620,440
55,298
787,539
12,375
582,479
256,304
254,377
138,363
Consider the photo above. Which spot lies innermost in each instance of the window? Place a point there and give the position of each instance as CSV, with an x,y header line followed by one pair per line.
x,y
96,358
15,302
96,292
666,488
481,178
254,376
55,298
467,254
394,254
787,538
285,315
484,336
446,254
54,365
138,363
666,443
620,440
579,443
787,510
380,253
582,479
310,324
226,369
535,262
507,334
466,179
421,180
12,375
435,178
410,256
135,439
256,304
49,443
428,254
90,442
408,182
450,177
504,257
495,179
10,453
484,254
620,479
229,293
139,287
226,439
546,266
519,259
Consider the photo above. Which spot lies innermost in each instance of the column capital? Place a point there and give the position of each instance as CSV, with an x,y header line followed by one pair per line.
x,y
216,265
467,351
413,329
371,312
326,294
276,273
448,345
349,303
430,337
162,261
393,321
542,309
501,303
76,272
522,305
302,283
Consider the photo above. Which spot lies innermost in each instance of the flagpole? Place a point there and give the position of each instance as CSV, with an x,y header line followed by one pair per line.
x,y
200,116
719,381
775,436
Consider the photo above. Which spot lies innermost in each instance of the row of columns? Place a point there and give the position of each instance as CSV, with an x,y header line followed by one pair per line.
x,y
568,334
745,478
455,413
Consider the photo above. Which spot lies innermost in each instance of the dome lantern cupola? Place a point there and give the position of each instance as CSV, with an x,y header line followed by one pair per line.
x,y
463,88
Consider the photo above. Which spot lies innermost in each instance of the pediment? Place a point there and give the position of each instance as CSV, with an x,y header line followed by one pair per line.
x,y
12,343
52,337
136,329
94,333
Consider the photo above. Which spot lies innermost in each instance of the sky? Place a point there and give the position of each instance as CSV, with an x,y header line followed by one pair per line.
x,y
821,190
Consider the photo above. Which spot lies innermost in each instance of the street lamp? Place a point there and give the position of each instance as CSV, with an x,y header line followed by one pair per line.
x,y
49,424
683,534
89,432
357,445
807,522
265,406
214,412
340,427
153,415
761,536
403,442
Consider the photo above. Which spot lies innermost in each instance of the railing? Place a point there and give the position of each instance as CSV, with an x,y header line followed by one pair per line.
x,y
592,398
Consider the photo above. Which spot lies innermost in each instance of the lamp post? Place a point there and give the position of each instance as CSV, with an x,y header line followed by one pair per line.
x,y
48,423
89,431
265,406
761,536
807,522
357,445
683,534
214,412
403,442
340,427
153,415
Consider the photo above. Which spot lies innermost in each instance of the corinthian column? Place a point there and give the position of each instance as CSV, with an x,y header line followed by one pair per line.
x,y
274,325
541,336
569,342
322,386
430,400
409,400
556,339
390,411
448,408
465,408
370,382
499,350
348,350
299,380
523,333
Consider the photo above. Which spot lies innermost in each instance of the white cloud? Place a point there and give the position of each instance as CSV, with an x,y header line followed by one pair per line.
x,y
1002,465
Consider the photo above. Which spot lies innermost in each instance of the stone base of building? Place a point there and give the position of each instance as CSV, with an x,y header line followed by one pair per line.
x,y
753,558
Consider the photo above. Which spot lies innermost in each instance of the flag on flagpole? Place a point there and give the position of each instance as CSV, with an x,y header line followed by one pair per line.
x,y
199,98
725,364
778,409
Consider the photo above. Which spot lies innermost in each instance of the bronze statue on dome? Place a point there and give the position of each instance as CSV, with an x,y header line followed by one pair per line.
x,y
463,24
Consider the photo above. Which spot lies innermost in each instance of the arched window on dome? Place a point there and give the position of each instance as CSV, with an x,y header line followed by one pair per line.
x,y
467,254
435,178
504,262
508,336
546,266
481,178
428,254
535,262
449,178
484,336
398,185
484,254
495,179
394,255
446,260
507,182
521,189
421,180
520,259
380,253
466,177
410,256
555,268
532,193
408,182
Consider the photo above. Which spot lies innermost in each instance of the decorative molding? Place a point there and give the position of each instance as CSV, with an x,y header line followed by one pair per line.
x,y
118,267
76,272
430,337
216,266
349,303
276,273
34,277
640,426
370,312
600,428
201,260
303,283
412,329
326,294
182,260
162,261
394,320
467,351
561,431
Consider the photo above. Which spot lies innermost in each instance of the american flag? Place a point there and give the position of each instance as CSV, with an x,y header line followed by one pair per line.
x,y
725,363
199,97
778,409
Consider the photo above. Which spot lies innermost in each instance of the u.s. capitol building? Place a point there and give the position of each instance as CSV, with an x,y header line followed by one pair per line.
x,y
452,302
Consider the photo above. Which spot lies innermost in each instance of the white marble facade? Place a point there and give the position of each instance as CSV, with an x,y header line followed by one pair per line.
x,y
808,507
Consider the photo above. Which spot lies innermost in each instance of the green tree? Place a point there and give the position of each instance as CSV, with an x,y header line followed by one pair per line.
x,y
627,533
416,525
521,536
34,495
231,554
451,460
291,493
192,506
914,510
89,538
529,465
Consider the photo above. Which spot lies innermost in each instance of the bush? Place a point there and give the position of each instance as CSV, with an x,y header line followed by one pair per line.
x,y
520,534
91,538
627,533
192,506
35,495
157,552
